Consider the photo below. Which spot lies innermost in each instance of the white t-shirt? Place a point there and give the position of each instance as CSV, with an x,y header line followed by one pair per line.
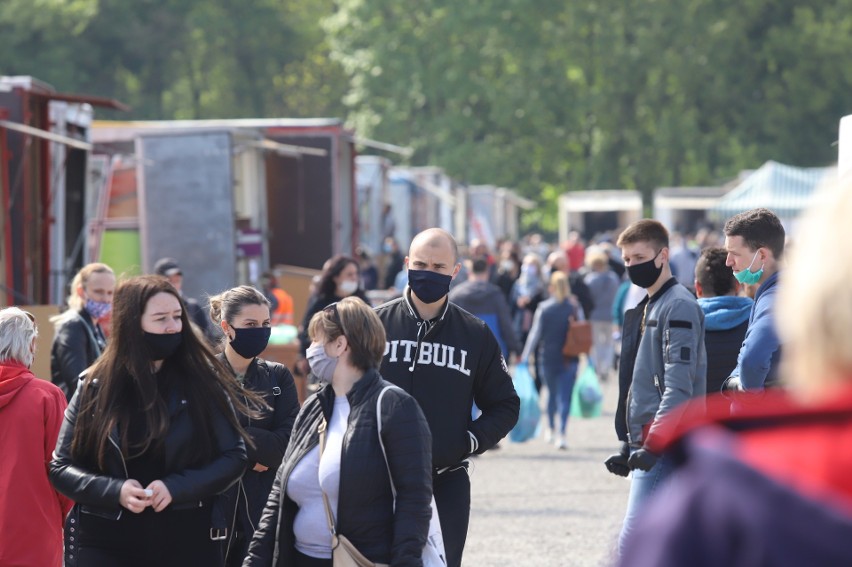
x,y
310,526
329,465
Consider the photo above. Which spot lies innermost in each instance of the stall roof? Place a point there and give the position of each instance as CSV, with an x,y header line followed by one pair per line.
x,y
44,90
697,198
108,131
784,189
602,200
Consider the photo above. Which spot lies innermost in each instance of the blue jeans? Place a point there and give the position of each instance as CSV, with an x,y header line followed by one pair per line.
x,y
560,386
642,486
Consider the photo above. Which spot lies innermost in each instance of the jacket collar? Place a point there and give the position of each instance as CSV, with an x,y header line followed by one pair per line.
x,y
412,311
765,286
359,392
672,281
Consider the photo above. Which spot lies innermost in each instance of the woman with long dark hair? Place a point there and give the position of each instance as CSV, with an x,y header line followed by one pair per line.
x,y
149,439
341,277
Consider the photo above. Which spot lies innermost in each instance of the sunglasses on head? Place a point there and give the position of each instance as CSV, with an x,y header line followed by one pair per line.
x,y
335,316
29,315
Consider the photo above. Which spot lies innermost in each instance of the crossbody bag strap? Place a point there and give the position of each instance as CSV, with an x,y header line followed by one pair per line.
x,y
328,515
381,442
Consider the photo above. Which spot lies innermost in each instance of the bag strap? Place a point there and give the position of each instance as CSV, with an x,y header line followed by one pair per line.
x,y
328,514
381,442
578,309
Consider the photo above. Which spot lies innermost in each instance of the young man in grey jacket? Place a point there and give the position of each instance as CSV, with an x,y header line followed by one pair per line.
x,y
663,361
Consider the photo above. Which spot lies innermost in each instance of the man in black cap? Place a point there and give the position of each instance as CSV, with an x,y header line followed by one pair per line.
x,y
169,268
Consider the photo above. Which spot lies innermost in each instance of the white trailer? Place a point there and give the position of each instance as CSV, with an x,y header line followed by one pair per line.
x,y
593,212
844,147
493,213
685,209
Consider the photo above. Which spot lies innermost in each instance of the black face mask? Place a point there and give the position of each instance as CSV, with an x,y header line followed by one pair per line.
x,y
429,286
645,274
250,342
161,346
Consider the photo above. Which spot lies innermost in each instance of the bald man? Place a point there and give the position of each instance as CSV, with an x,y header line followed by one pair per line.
x,y
447,359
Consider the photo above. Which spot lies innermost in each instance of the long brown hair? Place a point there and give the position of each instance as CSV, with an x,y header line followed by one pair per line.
x,y
126,381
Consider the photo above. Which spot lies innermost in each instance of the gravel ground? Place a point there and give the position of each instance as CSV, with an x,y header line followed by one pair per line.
x,y
535,505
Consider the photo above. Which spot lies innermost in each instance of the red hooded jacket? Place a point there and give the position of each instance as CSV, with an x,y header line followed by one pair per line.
x,y
32,513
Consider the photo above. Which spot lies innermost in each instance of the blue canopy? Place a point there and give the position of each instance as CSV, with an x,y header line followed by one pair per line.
x,y
784,189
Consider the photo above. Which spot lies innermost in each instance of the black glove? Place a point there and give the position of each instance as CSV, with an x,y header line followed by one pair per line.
x,y
643,459
617,464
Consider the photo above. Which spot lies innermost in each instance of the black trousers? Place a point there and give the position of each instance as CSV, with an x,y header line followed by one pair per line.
x,y
303,560
165,539
452,496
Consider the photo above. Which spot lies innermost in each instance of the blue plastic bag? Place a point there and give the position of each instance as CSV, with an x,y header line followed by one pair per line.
x,y
530,414
587,398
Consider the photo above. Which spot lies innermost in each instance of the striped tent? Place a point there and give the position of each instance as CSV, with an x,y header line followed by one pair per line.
x,y
784,189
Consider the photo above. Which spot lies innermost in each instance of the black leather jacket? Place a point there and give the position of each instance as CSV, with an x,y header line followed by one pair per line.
x,y
77,344
243,503
191,486
365,511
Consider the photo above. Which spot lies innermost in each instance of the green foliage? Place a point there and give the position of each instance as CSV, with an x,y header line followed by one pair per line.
x,y
553,97
545,97
179,58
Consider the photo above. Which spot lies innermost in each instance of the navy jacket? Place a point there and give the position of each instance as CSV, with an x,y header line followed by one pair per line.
x,y
547,335
726,320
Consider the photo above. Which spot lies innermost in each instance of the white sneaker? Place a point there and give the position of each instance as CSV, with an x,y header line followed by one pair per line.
x,y
548,436
560,443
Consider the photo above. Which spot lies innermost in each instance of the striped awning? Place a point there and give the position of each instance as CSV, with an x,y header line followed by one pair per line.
x,y
784,189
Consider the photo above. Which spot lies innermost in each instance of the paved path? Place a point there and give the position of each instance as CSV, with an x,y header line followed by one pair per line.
x,y
533,505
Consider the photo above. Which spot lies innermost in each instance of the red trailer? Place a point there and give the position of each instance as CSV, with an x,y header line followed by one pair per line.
x,y
43,160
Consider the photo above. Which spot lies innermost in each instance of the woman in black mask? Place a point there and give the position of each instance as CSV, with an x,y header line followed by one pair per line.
x,y
149,439
243,313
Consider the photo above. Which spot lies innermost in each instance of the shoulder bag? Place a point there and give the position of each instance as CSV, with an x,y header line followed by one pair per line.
x,y
579,338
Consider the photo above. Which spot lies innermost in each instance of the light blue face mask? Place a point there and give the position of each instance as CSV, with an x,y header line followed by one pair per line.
x,y
747,276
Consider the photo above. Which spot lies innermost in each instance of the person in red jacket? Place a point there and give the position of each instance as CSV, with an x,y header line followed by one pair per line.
x,y
31,410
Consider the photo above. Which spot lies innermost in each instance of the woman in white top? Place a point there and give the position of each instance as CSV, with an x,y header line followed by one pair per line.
x,y
347,348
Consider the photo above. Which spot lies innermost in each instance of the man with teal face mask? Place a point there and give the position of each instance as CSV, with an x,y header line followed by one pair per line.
x,y
754,241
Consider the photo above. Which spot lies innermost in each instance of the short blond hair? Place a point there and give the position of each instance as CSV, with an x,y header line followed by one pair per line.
x,y
595,257
814,315
357,321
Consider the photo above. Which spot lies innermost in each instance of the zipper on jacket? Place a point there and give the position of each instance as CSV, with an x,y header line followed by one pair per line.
x,y
234,516
420,326
627,411
123,464
658,386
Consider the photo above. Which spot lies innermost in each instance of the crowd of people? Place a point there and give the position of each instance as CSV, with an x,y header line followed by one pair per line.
x,y
180,445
